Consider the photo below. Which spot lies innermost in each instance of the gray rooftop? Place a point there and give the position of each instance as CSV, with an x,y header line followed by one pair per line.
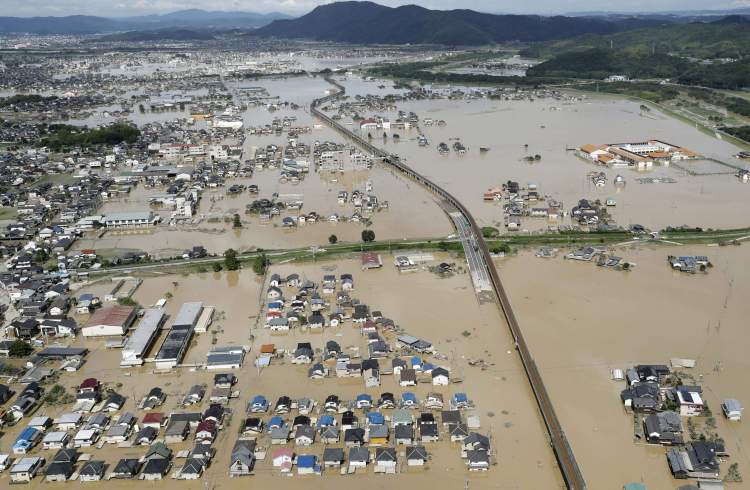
x,y
188,314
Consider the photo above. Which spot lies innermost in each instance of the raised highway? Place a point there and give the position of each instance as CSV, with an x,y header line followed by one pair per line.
x,y
478,256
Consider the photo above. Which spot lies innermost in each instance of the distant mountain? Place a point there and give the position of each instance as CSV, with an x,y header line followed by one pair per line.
x,y
159,35
203,19
86,24
73,24
367,22
690,14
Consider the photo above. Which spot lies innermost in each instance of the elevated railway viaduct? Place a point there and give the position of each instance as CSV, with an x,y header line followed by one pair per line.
x,y
567,463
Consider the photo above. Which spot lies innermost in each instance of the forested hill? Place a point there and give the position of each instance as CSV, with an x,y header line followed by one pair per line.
x,y
724,38
370,23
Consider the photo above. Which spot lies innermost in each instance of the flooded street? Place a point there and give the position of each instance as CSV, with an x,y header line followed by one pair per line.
x,y
581,321
467,331
412,212
550,128
223,146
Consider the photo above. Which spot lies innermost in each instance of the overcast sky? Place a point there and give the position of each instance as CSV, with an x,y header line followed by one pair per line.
x,y
110,8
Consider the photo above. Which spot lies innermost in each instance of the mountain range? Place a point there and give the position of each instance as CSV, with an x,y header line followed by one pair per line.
x,y
88,24
368,22
365,22
727,37
175,34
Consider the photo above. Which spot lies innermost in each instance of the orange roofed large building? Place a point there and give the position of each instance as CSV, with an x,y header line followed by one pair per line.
x,y
109,321
639,154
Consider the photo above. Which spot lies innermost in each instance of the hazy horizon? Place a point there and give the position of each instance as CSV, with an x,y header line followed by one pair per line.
x,y
125,8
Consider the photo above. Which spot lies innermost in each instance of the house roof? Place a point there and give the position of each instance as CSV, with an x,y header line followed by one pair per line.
x,y
306,461
60,468
333,454
95,467
160,450
66,455
153,418
404,432
416,452
117,315
590,148
385,454
193,466
156,466
128,466
359,454
282,452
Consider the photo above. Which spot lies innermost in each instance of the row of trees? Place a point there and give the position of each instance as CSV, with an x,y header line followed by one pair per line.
x,y
261,262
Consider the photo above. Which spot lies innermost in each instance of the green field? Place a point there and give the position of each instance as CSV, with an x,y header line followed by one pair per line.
x,y
8,213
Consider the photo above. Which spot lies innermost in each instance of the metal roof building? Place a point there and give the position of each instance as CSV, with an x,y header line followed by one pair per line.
x,y
173,349
62,352
109,321
188,314
230,357
143,337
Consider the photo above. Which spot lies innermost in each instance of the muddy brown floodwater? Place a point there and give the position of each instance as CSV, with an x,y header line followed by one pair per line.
x,y
412,211
581,321
549,127
444,311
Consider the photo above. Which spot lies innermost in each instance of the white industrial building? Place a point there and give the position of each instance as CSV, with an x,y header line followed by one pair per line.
x,y
143,337
131,219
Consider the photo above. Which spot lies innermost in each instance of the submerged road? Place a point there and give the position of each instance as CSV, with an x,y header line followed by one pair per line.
x,y
481,258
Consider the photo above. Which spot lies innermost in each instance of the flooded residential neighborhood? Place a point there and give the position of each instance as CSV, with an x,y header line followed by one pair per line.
x,y
288,249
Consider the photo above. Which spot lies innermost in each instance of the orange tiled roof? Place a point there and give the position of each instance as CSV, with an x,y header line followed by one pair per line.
x,y
589,148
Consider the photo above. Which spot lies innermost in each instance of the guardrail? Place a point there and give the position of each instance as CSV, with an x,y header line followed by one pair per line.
x,y
567,463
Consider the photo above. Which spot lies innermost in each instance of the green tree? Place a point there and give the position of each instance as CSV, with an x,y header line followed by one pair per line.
x,y
368,236
237,223
333,239
490,232
41,255
230,260
500,248
19,348
58,395
217,267
260,264
127,301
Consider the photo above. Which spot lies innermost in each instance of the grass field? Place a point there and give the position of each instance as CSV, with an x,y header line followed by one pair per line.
x,y
8,213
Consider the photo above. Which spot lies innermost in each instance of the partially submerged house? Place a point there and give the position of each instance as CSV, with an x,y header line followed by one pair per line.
x,y
663,428
694,460
242,459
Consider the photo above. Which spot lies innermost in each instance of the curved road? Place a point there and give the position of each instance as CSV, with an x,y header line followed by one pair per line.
x,y
482,259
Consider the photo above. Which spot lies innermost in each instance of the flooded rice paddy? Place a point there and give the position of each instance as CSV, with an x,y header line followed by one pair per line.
x,y
581,321
551,129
